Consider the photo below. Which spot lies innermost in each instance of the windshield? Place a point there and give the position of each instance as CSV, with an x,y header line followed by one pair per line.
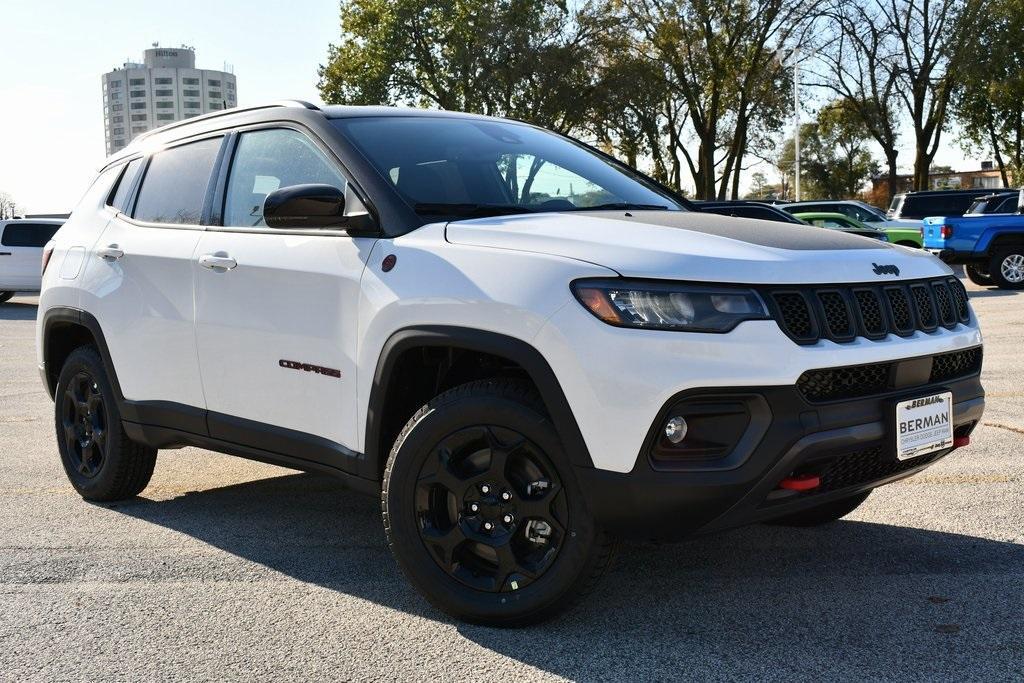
x,y
466,167
894,207
867,213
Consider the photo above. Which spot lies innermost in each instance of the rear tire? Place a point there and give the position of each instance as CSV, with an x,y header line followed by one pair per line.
x,y
822,514
978,275
5,296
101,462
1007,268
482,510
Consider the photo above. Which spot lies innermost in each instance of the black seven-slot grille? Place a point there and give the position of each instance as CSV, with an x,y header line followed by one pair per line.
x,y
843,313
856,381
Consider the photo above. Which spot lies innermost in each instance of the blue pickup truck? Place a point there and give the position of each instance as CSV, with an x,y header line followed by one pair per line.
x,y
991,247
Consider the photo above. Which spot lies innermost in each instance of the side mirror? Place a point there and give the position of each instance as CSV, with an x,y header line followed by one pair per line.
x,y
305,206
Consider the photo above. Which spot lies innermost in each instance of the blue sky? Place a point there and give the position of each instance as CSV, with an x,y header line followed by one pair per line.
x,y
54,52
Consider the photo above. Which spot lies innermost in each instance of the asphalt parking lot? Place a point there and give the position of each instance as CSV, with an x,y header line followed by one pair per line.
x,y
227,569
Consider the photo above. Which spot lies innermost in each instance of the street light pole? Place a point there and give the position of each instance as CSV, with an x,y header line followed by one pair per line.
x,y
796,118
794,61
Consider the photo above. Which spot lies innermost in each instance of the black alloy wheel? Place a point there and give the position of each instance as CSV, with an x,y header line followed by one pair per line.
x,y
491,508
101,462
84,421
483,511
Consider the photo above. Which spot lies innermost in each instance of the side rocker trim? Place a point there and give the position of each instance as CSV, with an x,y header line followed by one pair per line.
x,y
470,339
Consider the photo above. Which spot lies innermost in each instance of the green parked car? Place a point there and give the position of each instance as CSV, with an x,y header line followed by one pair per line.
x,y
904,236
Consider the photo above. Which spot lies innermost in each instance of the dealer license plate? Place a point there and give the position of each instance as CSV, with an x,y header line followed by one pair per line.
x,y
924,425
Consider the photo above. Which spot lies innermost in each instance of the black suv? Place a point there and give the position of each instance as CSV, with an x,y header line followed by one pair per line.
x,y
918,205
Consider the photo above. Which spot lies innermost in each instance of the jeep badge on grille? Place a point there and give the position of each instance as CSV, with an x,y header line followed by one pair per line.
x,y
886,269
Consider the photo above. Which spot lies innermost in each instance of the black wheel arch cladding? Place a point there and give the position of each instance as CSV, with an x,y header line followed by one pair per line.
x,y
516,350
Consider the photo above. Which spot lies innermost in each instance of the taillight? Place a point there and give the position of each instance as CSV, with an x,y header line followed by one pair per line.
x,y
47,253
946,231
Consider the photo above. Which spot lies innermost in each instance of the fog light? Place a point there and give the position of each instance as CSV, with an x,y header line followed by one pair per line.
x,y
675,429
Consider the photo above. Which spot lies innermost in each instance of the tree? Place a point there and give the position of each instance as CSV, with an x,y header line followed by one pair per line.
x,y
844,136
933,38
526,59
635,109
8,208
721,64
834,162
759,187
893,57
990,105
857,66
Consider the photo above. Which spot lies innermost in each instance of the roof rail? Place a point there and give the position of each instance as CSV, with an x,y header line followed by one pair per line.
x,y
224,112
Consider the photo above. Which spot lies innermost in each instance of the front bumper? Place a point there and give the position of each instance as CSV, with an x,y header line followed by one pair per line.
x,y
851,442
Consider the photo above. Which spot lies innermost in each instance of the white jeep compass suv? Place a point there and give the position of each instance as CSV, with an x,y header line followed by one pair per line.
x,y
523,346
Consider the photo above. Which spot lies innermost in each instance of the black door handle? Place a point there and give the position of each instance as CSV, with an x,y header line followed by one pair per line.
x,y
5,253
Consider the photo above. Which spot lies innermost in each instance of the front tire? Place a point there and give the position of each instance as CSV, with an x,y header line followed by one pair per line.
x,y
482,510
101,462
823,514
5,296
1007,268
978,275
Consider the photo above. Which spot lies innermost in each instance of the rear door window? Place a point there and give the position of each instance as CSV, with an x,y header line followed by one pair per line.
x,y
28,234
175,183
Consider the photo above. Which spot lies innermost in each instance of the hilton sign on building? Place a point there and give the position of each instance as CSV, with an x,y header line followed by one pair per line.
x,y
166,87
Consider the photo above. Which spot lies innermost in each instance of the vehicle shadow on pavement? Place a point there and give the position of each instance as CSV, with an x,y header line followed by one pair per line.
x,y
16,310
847,600
988,293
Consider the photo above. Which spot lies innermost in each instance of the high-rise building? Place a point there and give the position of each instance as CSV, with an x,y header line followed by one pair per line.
x,y
166,87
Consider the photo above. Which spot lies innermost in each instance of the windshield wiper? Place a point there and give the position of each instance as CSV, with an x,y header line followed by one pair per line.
x,y
624,206
471,210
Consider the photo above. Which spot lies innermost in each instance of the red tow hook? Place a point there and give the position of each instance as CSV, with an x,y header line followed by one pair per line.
x,y
961,441
803,482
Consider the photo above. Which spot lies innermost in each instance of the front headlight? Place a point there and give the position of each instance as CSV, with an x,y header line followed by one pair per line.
x,y
669,306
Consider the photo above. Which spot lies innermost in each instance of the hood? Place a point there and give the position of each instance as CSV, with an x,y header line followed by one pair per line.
x,y
699,247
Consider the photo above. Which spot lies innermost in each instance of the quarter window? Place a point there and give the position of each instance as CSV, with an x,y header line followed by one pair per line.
x,y
174,187
124,185
266,160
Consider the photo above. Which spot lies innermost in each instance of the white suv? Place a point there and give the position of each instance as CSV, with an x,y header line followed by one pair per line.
x,y
523,346
22,241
